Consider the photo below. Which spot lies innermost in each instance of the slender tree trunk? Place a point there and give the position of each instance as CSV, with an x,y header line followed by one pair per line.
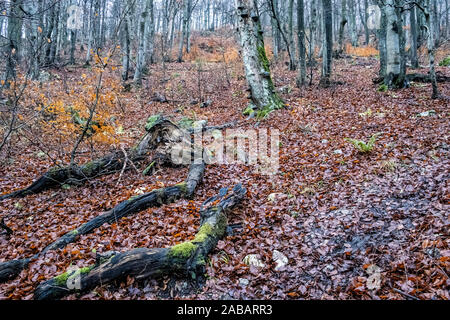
x,y
366,18
342,25
291,28
327,51
393,63
55,35
382,43
184,33
14,40
413,23
312,31
143,39
301,80
431,48
125,46
353,25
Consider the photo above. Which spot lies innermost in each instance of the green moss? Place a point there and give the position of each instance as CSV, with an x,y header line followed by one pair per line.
x,y
186,123
182,186
90,167
222,223
61,280
151,121
86,269
183,250
249,110
445,62
147,170
74,232
263,58
383,88
205,231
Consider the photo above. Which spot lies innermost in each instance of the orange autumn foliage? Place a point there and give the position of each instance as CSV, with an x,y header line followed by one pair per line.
x,y
365,51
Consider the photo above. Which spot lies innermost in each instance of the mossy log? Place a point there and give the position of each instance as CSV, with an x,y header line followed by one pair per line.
x,y
155,198
188,258
160,132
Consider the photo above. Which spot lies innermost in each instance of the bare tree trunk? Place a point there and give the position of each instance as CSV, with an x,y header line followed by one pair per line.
x,y
256,64
413,23
14,37
292,65
125,46
392,45
187,5
143,43
366,18
327,51
353,25
382,43
431,48
342,25
301,44
312,31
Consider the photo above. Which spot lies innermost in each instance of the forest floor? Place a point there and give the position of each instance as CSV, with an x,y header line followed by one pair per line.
x,y
352,225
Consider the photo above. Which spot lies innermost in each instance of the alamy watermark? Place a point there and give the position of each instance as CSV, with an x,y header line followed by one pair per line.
x,y
258,148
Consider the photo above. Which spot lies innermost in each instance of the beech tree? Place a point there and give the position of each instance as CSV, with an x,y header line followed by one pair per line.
x,y
257,67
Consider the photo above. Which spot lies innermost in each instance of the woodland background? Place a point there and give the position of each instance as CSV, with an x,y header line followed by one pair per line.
x,y
358,209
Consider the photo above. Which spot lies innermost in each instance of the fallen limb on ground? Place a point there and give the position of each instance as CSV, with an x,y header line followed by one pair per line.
x,y
188,258
160,132
155,198
166,133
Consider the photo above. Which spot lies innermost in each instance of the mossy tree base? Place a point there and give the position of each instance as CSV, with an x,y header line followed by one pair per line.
x,y
188,258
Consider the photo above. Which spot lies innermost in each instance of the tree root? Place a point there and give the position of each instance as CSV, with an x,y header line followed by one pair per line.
x,y
188,258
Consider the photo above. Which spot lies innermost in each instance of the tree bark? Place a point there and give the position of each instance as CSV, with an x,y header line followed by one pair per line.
x,y
158,132
413,23
342,26
301,79
327,50
162,133
188,258
256,64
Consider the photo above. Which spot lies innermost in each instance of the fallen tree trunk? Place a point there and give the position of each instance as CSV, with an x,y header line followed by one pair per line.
x,y
188,258
159,131
155,198
166,137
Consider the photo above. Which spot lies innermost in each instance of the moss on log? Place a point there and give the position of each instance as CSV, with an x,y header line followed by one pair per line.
x,y
188,258
160,132
155,198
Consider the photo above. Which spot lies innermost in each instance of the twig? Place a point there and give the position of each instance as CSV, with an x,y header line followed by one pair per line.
x,y
405,294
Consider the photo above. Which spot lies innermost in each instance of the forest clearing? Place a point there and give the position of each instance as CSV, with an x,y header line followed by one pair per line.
x,y
93,205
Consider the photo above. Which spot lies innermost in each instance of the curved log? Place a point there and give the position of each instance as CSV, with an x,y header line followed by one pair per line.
x,y
10,269
188,258
160,131
163,135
